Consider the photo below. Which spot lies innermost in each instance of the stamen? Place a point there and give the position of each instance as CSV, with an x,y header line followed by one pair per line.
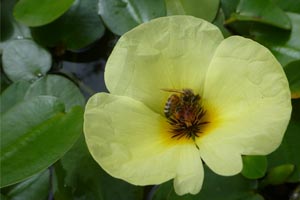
x,y
184,113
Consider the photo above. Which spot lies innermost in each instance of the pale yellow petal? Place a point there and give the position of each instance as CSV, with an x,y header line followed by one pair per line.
x,y
248,96
221,156
128,140
190,172
170,52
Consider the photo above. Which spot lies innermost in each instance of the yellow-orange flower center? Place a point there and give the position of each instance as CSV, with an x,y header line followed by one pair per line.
x,y
184,113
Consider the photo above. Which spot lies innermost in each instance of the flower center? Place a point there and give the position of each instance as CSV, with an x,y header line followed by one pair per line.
x,y
184,113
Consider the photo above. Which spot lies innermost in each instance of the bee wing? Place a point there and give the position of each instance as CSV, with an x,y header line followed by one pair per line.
x,y
172,90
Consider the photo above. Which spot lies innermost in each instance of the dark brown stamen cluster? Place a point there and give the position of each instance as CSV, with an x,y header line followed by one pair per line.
x,y
184,114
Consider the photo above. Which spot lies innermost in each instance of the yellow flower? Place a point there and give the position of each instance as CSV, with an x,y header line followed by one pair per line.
x,y
181,94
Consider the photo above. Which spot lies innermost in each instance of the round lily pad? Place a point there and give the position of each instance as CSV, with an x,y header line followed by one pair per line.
x,y
25,60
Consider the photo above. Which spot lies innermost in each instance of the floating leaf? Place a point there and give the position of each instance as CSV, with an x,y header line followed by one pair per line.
x,y
57,86
50,85
288,151
254,167
34,134
219,22
37,13
284,45
10,28
25,60
13,95
292,72
121,16
214,187
260,11
278,175
36,187
288,5
205,9
77,28
80,177
229,7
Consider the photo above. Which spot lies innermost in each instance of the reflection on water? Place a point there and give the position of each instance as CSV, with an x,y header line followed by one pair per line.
x,y
90,76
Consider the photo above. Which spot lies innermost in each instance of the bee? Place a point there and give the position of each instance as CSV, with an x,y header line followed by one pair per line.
x,y
182,104
172,104
184,113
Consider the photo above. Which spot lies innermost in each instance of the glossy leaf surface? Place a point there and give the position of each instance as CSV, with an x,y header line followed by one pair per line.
x,y
36,131
37,13
25,60
77,28
10,28
261,11
254,167
205,9
121,16
36,187
285,45
57,86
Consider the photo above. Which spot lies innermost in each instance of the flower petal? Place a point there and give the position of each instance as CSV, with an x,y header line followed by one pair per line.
x,y
248,95
222,157
129,140
170,52
190,171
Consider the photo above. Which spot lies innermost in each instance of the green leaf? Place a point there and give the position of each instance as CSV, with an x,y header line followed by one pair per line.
x,y
261,11
34,134
37,13
36,187
214,187
288,151
4,82
24,116
229,7
50,85
12,95
121,16
288,5
254,167
10,28
219,22
278,175
2,197
77,28
205,9
57,86
25,60
80,177
292,72
283,44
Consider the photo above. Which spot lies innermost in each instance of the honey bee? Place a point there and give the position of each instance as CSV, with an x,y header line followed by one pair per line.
x,y
184,112
181,103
